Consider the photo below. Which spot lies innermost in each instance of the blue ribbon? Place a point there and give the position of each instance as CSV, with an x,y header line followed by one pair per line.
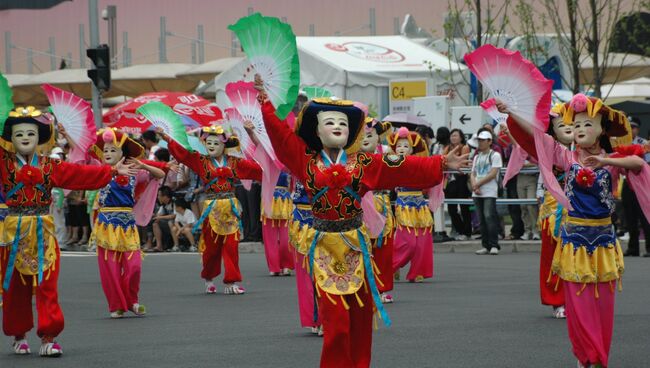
x,y
371,279
15,189
41,246
237,215
558,220
384,212
12,255
205,214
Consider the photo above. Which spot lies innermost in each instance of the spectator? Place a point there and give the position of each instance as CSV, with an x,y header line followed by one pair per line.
x,y
457,187
426,133
632,210
485,171
162,219
183,224
505,149
171,178
150,141
442,141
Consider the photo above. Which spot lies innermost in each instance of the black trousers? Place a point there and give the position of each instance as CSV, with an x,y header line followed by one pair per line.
x,y
251,201
457,188
517,230
634,216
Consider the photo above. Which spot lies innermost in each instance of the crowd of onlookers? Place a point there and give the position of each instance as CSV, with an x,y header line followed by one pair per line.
x,y
181,196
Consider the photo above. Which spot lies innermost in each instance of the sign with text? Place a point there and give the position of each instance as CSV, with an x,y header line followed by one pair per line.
x,y
402,91
434,109
468,118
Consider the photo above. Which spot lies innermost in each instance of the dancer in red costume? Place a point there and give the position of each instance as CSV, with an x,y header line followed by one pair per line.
x,y
30,259
340,249
221,218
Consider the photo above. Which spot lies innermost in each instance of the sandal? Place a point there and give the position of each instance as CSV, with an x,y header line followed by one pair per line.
x,y
50,350
233,289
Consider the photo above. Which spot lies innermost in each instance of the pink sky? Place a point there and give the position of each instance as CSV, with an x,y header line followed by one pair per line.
x,y
141,19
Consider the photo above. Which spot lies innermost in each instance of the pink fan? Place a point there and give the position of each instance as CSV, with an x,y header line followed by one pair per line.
x,y
515,81
490,108
243,97
236,123
77,118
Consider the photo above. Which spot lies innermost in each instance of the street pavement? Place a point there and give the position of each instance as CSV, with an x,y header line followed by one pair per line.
x,y
478,311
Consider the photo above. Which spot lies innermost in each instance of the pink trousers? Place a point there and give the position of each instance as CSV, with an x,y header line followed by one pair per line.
x,y
417,249
276,245
590,319
120,275
305,288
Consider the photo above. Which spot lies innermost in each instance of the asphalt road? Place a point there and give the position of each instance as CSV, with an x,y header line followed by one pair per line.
x,y
479,311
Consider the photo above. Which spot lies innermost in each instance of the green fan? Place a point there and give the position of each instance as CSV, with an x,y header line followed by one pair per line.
x,y
316,92
162,116
270,46
6,103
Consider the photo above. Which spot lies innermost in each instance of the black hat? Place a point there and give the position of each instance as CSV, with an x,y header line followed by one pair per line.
x,y
634,121
307,123
28,115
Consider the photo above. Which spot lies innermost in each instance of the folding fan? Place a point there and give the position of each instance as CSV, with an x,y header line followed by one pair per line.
x,y
243,97
162,116
270,45
236,123
515,81
316,92
77,118
6,103
490,107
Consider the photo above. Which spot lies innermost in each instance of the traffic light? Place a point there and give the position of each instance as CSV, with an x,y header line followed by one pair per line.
x,y
101,73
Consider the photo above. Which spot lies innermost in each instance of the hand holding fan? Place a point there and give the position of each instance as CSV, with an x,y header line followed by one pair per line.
x,y
270,45
162,116
76,117
243,97
236,122
490,107
515,81
6,103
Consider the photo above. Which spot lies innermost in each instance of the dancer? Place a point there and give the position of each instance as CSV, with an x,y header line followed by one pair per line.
x,y
589,259
221,217
339,252
299,230
551,215
275,229
30,259
413,238
115,234
382,245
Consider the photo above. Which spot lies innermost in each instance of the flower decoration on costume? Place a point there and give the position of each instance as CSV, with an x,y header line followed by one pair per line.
x,y
630,150
223,173
579,103
122,180
338,177
30,176
585,177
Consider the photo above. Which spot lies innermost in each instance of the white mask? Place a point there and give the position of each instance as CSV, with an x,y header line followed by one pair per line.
x,y
333,129
214,146
24,137
563,132
587,129
112,154
403,147
370,141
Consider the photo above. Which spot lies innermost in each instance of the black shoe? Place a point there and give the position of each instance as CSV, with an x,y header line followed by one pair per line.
x,y
647,255
629,253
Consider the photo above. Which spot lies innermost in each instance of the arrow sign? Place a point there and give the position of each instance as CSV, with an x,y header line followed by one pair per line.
x,y
420,114
467,118
464,118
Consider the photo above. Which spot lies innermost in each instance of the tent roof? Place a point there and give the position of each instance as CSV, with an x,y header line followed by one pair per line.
x,y
207,71
620,67
138,79
371,60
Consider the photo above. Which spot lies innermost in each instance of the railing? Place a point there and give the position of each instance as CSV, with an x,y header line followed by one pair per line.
x,y
500,201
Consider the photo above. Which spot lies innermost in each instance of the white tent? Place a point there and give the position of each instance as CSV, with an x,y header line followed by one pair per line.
x,y
634,89
360,68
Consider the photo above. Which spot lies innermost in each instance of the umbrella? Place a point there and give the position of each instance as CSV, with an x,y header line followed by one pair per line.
x,y
404,119
194,110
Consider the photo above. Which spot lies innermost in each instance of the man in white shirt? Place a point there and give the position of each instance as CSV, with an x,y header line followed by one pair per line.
x,y
484,180
183,224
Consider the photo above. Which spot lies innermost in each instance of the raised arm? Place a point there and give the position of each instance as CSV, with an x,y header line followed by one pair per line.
x,y
182,155
390,171
290,149
248,169
87,177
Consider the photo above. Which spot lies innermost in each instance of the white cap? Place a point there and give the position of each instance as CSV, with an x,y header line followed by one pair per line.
x,y
484,135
